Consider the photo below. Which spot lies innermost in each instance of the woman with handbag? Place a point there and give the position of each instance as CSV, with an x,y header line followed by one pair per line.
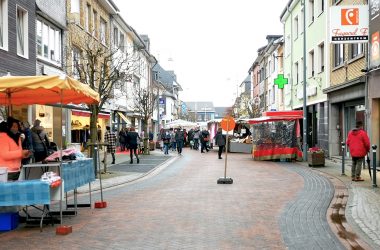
x,y
40,141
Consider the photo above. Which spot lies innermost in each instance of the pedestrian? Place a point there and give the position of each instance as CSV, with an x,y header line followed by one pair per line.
x,y
27,142
179,138
172,140
11,152
196,138
205,136
132,141
359,146
122,139
110,139
166,141
220,140
40,141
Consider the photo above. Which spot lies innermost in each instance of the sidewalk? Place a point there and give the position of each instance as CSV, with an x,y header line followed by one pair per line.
x,y
363,207
122,172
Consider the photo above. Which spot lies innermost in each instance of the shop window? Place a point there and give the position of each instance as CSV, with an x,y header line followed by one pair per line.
x,y
102,31
338,54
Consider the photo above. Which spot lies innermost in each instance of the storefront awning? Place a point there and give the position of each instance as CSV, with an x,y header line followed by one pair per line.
x,y
123,117
88,114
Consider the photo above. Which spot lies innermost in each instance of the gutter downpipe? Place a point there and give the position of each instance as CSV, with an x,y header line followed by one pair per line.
x,y
304,85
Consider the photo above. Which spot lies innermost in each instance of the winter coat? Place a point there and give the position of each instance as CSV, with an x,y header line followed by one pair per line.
x,y
110,139
132,137
220,139
39,139
179,136
10,153
358,142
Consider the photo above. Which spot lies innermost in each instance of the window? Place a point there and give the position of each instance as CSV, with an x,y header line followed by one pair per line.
x,y
295,27
338,54
75,62
87,18
321,49
94,23
48,42
75,6
322,6
115,37
311,11
311,63
121,45
22,31
3,24
102,31
356,50
296,72
274,63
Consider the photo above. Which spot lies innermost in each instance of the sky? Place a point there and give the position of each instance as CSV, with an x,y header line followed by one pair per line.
x,y
210,44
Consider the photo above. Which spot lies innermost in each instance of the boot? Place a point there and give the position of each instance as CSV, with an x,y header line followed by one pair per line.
x,y
131,162
138,160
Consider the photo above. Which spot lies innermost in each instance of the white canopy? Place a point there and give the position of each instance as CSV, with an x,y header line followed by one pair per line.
x,y
180,123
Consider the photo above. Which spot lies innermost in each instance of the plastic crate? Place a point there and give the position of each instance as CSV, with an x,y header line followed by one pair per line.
x,y
8,221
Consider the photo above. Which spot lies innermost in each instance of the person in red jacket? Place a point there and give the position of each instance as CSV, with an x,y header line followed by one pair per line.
x,y
358,143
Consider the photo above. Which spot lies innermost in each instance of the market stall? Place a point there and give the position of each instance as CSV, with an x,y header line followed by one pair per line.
x,y
27,90
276,135
180,124
240,141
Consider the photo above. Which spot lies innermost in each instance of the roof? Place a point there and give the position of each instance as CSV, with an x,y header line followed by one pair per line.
x,y
200,106
167,78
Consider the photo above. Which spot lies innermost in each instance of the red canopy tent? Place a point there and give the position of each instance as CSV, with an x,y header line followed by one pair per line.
x,y
275,135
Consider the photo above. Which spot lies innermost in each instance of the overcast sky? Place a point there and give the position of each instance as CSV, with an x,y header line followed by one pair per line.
x,y
210,44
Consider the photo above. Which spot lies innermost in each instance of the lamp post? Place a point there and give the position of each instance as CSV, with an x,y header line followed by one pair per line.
x,y
304,83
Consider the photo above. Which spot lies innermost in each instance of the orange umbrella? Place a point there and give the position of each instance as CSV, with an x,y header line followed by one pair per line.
x,y
23,90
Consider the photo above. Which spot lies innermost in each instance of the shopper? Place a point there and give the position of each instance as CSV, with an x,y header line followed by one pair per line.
x,y
40,141
11,152
110,139
220,140
122,138
358,143
179,138
166,141
172,140
205,136
132,141
27,142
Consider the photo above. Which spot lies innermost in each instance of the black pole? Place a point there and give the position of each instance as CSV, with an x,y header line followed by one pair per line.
x,y
374,147
343,155
95,155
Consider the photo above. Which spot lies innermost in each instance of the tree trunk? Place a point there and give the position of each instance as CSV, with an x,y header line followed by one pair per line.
x,y
94,134
146,137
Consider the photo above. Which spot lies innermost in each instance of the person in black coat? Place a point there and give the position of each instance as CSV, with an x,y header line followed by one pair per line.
x,y
220,140
132,137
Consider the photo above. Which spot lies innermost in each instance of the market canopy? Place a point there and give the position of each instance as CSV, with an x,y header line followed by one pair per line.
x,y
271,116
23,90
180,123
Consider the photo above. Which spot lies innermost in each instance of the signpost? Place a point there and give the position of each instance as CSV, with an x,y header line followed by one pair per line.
x,y
227,124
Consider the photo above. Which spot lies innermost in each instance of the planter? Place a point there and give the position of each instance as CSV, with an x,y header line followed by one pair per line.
x,y
316,159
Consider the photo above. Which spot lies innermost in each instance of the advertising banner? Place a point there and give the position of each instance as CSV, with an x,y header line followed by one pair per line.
x,y
374,31
348,24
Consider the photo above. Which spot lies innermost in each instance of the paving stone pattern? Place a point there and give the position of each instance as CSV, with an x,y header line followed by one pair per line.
x,y
364,210
303,221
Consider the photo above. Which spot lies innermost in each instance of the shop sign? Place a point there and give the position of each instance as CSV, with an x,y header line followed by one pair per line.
x,y
374,31
162,101
349,24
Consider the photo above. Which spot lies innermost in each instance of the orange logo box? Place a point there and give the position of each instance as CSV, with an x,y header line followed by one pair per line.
x,y
375,44
350,16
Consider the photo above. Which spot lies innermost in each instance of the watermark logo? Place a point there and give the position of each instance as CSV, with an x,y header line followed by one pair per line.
x,y
350,16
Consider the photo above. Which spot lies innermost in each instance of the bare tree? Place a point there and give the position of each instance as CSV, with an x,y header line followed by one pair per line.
x,y
144,103
103,69
247,108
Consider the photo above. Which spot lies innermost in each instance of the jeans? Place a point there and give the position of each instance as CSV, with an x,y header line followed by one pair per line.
x,y
357,163
179,146
166,149
174,145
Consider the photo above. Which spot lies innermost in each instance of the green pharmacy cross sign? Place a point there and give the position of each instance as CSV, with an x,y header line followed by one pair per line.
x,y
280,81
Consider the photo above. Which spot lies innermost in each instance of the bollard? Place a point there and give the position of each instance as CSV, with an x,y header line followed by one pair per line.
x,y
374,147
343,155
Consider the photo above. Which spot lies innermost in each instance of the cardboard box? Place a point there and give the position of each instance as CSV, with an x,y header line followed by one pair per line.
x,y
8,221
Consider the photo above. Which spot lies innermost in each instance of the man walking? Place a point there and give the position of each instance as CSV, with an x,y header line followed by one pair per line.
x,y
205,136
220,140
358,143
110,139
179,138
